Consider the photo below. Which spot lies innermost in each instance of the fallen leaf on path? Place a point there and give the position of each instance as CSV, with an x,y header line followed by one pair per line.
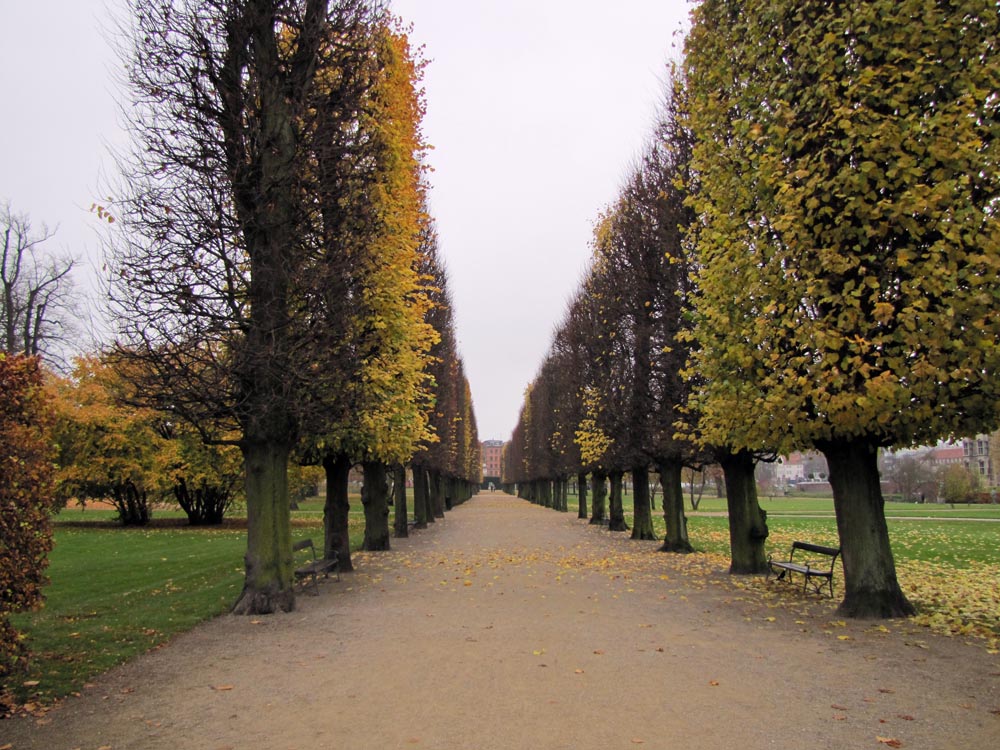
x,y
713,683
886,690
28,683
578,671
599,652
838,707
890,741
637,741
904,717
222,687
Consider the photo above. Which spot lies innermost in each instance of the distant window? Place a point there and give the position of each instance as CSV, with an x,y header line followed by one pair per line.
x,y
982,468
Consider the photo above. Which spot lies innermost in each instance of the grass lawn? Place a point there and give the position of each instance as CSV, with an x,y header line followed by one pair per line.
x,y
117,592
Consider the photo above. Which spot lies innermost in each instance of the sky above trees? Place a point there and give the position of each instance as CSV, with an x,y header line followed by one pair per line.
x,y
534,112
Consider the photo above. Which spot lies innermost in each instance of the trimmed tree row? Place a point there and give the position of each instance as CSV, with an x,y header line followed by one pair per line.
x,y
805,257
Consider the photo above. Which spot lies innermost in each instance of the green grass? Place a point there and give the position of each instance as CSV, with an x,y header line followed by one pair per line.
x,y
958,544
116,592
823,506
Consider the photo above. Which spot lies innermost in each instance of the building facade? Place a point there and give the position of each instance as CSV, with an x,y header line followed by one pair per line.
x,y
492,452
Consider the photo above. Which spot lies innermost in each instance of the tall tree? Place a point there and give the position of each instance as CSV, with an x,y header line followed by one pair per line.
x,y
847,164
108,449
216,228
375,403
36,289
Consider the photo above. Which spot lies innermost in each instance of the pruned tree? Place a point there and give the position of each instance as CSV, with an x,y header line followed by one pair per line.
x,y
848,245
370,298
216,228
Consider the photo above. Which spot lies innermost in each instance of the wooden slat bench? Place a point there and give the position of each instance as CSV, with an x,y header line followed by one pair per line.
x,y
807,566
308,573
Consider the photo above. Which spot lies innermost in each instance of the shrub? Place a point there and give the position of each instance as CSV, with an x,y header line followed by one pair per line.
x,y
26,498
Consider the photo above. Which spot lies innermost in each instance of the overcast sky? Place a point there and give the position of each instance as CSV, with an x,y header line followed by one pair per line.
x,y
535,109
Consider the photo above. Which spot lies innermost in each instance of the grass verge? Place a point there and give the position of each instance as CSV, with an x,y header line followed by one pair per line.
x,y
116,592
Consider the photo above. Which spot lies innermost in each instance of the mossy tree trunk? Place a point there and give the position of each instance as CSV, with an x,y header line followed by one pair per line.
x,y
599,489
336,510
422,512
401,516
642,523
581,494
616,515
375,499
747,520
268,584
436,493
871,589
676,538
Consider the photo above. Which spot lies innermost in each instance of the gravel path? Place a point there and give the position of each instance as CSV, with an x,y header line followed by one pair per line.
x,y
509,626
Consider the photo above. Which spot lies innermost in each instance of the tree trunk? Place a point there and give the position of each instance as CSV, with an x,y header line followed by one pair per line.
x,y
448,492
642,523
421,503
336,510
401,520
581,494
870,586
616,517
268,584
375,499
205,505
747,521
436,493
676,539
599,489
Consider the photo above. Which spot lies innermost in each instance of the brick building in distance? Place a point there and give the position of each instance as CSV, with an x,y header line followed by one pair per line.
x,y
492,451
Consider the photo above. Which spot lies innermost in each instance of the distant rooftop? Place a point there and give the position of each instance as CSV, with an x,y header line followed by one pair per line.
x,y
493,443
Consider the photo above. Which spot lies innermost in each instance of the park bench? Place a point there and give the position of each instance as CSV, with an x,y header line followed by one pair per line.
x,y
808,565
308,573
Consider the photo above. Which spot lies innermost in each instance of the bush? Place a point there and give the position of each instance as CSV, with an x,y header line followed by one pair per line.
x,y
26,498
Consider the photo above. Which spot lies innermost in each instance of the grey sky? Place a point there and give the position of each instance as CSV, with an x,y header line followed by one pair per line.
x,y
535,108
